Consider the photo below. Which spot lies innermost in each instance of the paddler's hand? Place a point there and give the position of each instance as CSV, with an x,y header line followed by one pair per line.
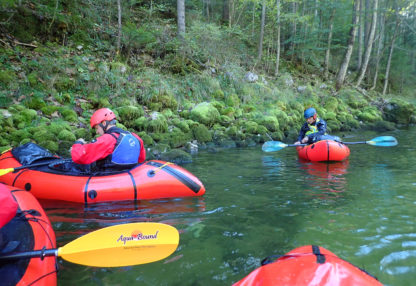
x,y
296,143
80,141
305,140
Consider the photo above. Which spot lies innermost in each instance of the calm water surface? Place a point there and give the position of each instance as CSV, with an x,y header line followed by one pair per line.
x,y
259,204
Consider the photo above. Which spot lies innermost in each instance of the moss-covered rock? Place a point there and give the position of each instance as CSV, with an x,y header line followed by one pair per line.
x,y
331,103
66,135
69,114
50,145
140,124
250,127
370,114
158,123
399,111
128,114
201,133
270,122
205,113
147,139
176,156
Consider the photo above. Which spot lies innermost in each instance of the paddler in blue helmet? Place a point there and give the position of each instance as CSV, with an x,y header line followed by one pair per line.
x,y
312,129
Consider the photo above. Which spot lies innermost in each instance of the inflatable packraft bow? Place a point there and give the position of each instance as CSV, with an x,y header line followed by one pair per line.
x,y
308,265
325,150
48,177
28,230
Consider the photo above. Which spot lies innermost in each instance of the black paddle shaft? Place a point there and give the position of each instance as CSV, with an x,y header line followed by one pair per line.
x,y
30,254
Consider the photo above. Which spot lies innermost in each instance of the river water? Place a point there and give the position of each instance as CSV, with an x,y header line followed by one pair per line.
x,y
259,204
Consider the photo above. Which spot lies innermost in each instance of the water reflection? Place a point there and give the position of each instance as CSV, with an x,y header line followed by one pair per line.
x,y
325,180
77,219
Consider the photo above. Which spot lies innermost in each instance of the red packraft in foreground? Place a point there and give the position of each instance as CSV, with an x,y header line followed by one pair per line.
x,y
308,265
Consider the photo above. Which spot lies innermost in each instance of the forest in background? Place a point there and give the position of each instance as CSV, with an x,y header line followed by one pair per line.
x,y
206,70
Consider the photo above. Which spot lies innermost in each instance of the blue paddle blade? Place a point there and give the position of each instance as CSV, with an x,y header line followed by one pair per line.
x,y
383,141
272,146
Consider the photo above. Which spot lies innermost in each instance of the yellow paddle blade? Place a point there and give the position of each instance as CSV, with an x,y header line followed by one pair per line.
x,y
6,171
122,245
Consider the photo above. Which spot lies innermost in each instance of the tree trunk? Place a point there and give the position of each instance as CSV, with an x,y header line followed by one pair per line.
x,y
328,49
369,45
225,11
353,31
294,28
276,71
119,26
379,50
263,20
360,36
181,18
386,79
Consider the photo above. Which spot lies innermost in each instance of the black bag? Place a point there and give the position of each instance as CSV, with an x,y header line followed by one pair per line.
x,y
30,152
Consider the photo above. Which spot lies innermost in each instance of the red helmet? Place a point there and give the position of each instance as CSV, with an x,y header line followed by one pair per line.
x,y
102,114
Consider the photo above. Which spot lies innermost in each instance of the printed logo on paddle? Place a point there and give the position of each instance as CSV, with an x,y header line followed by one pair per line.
x,y
137,235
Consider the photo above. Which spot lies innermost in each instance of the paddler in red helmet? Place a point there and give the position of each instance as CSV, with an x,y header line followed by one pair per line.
x,y
115,148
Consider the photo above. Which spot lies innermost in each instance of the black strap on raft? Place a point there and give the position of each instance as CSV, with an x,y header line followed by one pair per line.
x,y
320,258
178,175
270,259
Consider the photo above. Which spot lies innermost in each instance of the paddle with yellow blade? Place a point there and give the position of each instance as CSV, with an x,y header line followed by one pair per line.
x,y
114,246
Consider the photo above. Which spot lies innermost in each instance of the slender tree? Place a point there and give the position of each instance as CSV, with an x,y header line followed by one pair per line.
x,y
329,41
386,78
181,18
369,45
276,71
263,20
119,26
353,30
361,22
379,50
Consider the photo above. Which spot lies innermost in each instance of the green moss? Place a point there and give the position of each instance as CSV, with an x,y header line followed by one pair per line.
x,y
49,110
128,114
69,114
369,114
250,127
82,133
50,145
35,102
331,104
201,133
64,83
140,124
20,134
7,77
147,140
57,126
205,113
232,100
66,135
218,94
270,122
158,124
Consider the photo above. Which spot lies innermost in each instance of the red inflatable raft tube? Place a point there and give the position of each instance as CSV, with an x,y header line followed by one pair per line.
x,y
29,229
325,150
309,265
150,180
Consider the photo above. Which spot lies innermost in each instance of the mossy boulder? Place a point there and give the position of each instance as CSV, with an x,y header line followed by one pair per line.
x,y
177,138
270,122
205,113
35,102
250,127
129,113
69,114
158,123
232,100
50,145
399,111
201,133
140,124
331,104
147,139
370,114
176,156
66,135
